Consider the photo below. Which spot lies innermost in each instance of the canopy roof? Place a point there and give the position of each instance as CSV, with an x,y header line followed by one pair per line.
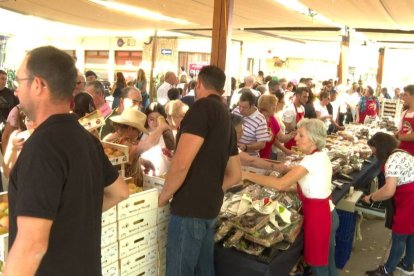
x,y
384,21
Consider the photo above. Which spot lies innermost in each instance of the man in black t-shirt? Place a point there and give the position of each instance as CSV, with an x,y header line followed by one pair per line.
x,y
62,179
205,164
7,100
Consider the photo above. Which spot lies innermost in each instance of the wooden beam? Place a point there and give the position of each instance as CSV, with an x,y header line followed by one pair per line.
x,y
222,21
385,31
153,60
380,70
343,58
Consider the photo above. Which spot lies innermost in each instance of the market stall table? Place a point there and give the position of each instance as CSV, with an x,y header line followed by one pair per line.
x,y
233,262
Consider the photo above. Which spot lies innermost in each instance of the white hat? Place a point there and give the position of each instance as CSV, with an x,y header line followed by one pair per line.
x,y
132,117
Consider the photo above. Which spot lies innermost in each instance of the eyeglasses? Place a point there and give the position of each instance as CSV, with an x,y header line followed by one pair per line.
x,y
17,81
3,78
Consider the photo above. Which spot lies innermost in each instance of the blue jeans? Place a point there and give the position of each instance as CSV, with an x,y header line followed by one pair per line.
x,y
330,269
190,246
400,243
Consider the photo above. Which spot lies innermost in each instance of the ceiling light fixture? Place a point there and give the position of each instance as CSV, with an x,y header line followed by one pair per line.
x,y
139,12
300,8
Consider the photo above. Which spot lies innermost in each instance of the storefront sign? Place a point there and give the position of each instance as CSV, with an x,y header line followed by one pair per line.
x,y
166,52
196,67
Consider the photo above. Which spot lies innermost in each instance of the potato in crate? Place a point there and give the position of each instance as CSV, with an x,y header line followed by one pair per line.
x,y
117,154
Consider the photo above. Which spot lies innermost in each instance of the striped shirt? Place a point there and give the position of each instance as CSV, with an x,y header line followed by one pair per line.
x,y
254,129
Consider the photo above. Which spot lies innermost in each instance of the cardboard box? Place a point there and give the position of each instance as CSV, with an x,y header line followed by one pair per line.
x,y
138,203
137,242
148,270
133,263
162,231
4,238
136,224
161,270
163,214
109,216
92,121
109,234
109,254
348,202
116,160
111,270
151,182
162,246
4,246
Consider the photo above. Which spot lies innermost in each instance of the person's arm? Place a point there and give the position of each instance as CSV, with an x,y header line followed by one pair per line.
x,y
181,162
8,129
386,192
115,193
323,118
336,125
283,138
282,184
254,146
29,247
379,109
232,173
254,161
14,146
144,87
113,88
152,139
357,113
280,146
405,137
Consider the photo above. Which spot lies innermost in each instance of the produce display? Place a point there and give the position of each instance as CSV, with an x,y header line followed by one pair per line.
x,y
254,218
4,218
132,188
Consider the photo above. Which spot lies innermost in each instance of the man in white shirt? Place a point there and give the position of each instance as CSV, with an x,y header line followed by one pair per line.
x,y
353,99
295,112
255,131
169,82
248,84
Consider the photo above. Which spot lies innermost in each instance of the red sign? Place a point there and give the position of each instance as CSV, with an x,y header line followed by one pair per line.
x,y
196,67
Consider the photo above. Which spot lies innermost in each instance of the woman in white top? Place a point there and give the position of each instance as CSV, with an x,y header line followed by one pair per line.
x,y
399,185
313,178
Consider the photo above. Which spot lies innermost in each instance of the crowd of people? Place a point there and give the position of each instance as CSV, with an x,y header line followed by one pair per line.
x,y
195,138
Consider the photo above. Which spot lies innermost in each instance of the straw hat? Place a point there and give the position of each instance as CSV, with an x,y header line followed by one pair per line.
x,y
132,117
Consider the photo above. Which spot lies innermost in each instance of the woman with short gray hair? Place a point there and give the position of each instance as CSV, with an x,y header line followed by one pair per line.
x,y
316,131
312,177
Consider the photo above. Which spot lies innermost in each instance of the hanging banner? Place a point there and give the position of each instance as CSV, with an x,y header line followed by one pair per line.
x,y
196,67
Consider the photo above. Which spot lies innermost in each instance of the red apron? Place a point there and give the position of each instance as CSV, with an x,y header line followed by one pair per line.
x,y
403,222
289,144
370,110
317,229
407,128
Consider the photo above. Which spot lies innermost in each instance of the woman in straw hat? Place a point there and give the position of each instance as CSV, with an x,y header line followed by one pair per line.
x,y
129,128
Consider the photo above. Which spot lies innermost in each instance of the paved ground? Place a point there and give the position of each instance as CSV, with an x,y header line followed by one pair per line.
x,y
371,251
